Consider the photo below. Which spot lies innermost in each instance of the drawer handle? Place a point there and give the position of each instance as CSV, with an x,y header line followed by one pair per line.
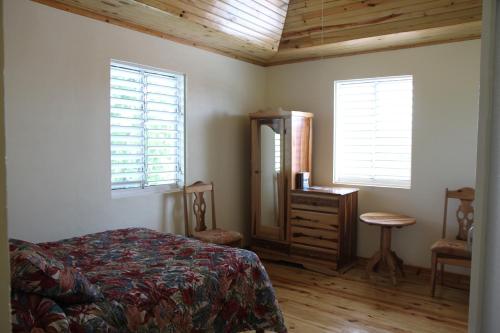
x,y
300,218
299,234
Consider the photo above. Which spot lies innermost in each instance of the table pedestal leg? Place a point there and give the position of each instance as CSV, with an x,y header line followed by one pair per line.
x,y
387,256
399,263
373,262
387,253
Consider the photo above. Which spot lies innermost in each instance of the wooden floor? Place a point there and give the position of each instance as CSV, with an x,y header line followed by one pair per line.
x,y
313,302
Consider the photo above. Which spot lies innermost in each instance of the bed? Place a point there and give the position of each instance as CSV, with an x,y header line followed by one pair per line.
x,y
140,280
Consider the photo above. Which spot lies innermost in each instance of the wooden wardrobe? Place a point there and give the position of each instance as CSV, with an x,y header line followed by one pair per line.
x,y
315,227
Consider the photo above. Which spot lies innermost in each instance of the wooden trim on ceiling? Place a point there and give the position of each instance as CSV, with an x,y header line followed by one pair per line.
x,y
349,54
387,42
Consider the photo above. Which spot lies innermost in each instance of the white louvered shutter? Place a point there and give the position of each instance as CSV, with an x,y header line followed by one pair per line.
x,y
373,131
147,128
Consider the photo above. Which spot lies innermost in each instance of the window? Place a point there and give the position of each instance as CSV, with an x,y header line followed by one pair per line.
x,y
373,131
147,128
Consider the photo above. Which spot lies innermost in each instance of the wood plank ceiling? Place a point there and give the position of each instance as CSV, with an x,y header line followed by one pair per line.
x,y
316,28
269,32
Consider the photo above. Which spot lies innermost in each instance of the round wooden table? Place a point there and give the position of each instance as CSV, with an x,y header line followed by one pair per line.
x,y
385,255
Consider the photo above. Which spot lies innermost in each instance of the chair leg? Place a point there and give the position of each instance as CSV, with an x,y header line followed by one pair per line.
x,y
442,275
433,273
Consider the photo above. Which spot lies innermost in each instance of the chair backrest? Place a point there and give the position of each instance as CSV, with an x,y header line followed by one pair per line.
x,y
198,189
464,213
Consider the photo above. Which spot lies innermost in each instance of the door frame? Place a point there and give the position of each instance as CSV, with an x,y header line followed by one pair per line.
x,y
4,248
483,165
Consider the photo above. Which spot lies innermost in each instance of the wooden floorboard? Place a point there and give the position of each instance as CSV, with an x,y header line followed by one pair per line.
x,y
317,303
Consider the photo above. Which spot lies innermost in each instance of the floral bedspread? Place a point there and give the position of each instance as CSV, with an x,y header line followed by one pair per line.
x,y
154,282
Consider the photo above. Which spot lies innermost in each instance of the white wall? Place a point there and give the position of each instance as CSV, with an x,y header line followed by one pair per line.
x,y
446,83
57,117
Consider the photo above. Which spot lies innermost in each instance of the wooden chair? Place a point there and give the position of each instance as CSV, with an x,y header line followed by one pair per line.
x,y
454,251
215,235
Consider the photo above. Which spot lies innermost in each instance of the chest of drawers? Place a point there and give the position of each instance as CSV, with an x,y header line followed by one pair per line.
x,y
321,230
323,226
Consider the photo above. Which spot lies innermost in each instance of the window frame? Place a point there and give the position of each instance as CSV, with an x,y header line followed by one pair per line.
x,y
154,189
362,182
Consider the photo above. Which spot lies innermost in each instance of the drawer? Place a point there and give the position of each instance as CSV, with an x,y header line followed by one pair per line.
x,y
303,218
322,203
315,237
314,252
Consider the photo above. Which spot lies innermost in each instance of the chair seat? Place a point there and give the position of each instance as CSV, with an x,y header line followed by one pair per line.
x,y
451,247
218,236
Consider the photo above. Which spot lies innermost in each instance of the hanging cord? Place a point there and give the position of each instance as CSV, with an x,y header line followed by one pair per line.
x,y
322,24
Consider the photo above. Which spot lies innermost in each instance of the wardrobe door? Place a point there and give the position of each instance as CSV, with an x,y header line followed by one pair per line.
x,y
268,179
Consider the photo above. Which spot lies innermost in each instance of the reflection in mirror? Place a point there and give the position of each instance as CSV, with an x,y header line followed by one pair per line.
x,y
270,170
